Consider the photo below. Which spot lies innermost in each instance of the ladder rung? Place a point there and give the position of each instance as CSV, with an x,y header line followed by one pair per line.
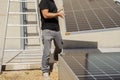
x,y
31,10
26,50
31,22
32,34
32,44
22,37
11,25
29,63
29,1
20,13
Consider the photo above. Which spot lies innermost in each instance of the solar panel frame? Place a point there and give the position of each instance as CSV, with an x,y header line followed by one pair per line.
x,y
91,15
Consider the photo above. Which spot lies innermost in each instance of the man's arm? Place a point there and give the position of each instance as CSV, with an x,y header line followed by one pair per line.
x,y
47,14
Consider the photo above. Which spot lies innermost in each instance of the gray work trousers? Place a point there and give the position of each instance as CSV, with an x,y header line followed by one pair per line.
x,y
47,37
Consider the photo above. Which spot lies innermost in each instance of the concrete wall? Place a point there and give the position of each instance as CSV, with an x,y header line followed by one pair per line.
x,y
106,39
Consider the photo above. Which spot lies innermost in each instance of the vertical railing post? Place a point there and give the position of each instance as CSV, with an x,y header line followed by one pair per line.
x,y
23,29
4,37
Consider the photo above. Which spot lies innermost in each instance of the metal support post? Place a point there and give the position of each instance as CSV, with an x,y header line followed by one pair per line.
x,y
23,21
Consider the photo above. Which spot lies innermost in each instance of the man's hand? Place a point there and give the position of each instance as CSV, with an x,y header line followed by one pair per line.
x,y
61,14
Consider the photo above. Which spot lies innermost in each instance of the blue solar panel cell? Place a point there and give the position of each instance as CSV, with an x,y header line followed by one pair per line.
x,y
82,25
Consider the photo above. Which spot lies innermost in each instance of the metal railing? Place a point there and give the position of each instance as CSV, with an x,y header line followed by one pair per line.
x,y
23,27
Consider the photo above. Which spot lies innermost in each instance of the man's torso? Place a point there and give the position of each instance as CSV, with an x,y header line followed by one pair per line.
x,y
52,23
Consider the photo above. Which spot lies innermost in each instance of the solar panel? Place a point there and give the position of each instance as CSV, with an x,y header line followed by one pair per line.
x,y
94,66
85,15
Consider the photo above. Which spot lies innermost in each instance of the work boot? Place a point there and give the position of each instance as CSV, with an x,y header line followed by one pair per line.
x,y
46,76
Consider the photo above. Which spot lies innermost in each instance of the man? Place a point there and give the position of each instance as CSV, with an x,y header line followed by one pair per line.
x,y
50,31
